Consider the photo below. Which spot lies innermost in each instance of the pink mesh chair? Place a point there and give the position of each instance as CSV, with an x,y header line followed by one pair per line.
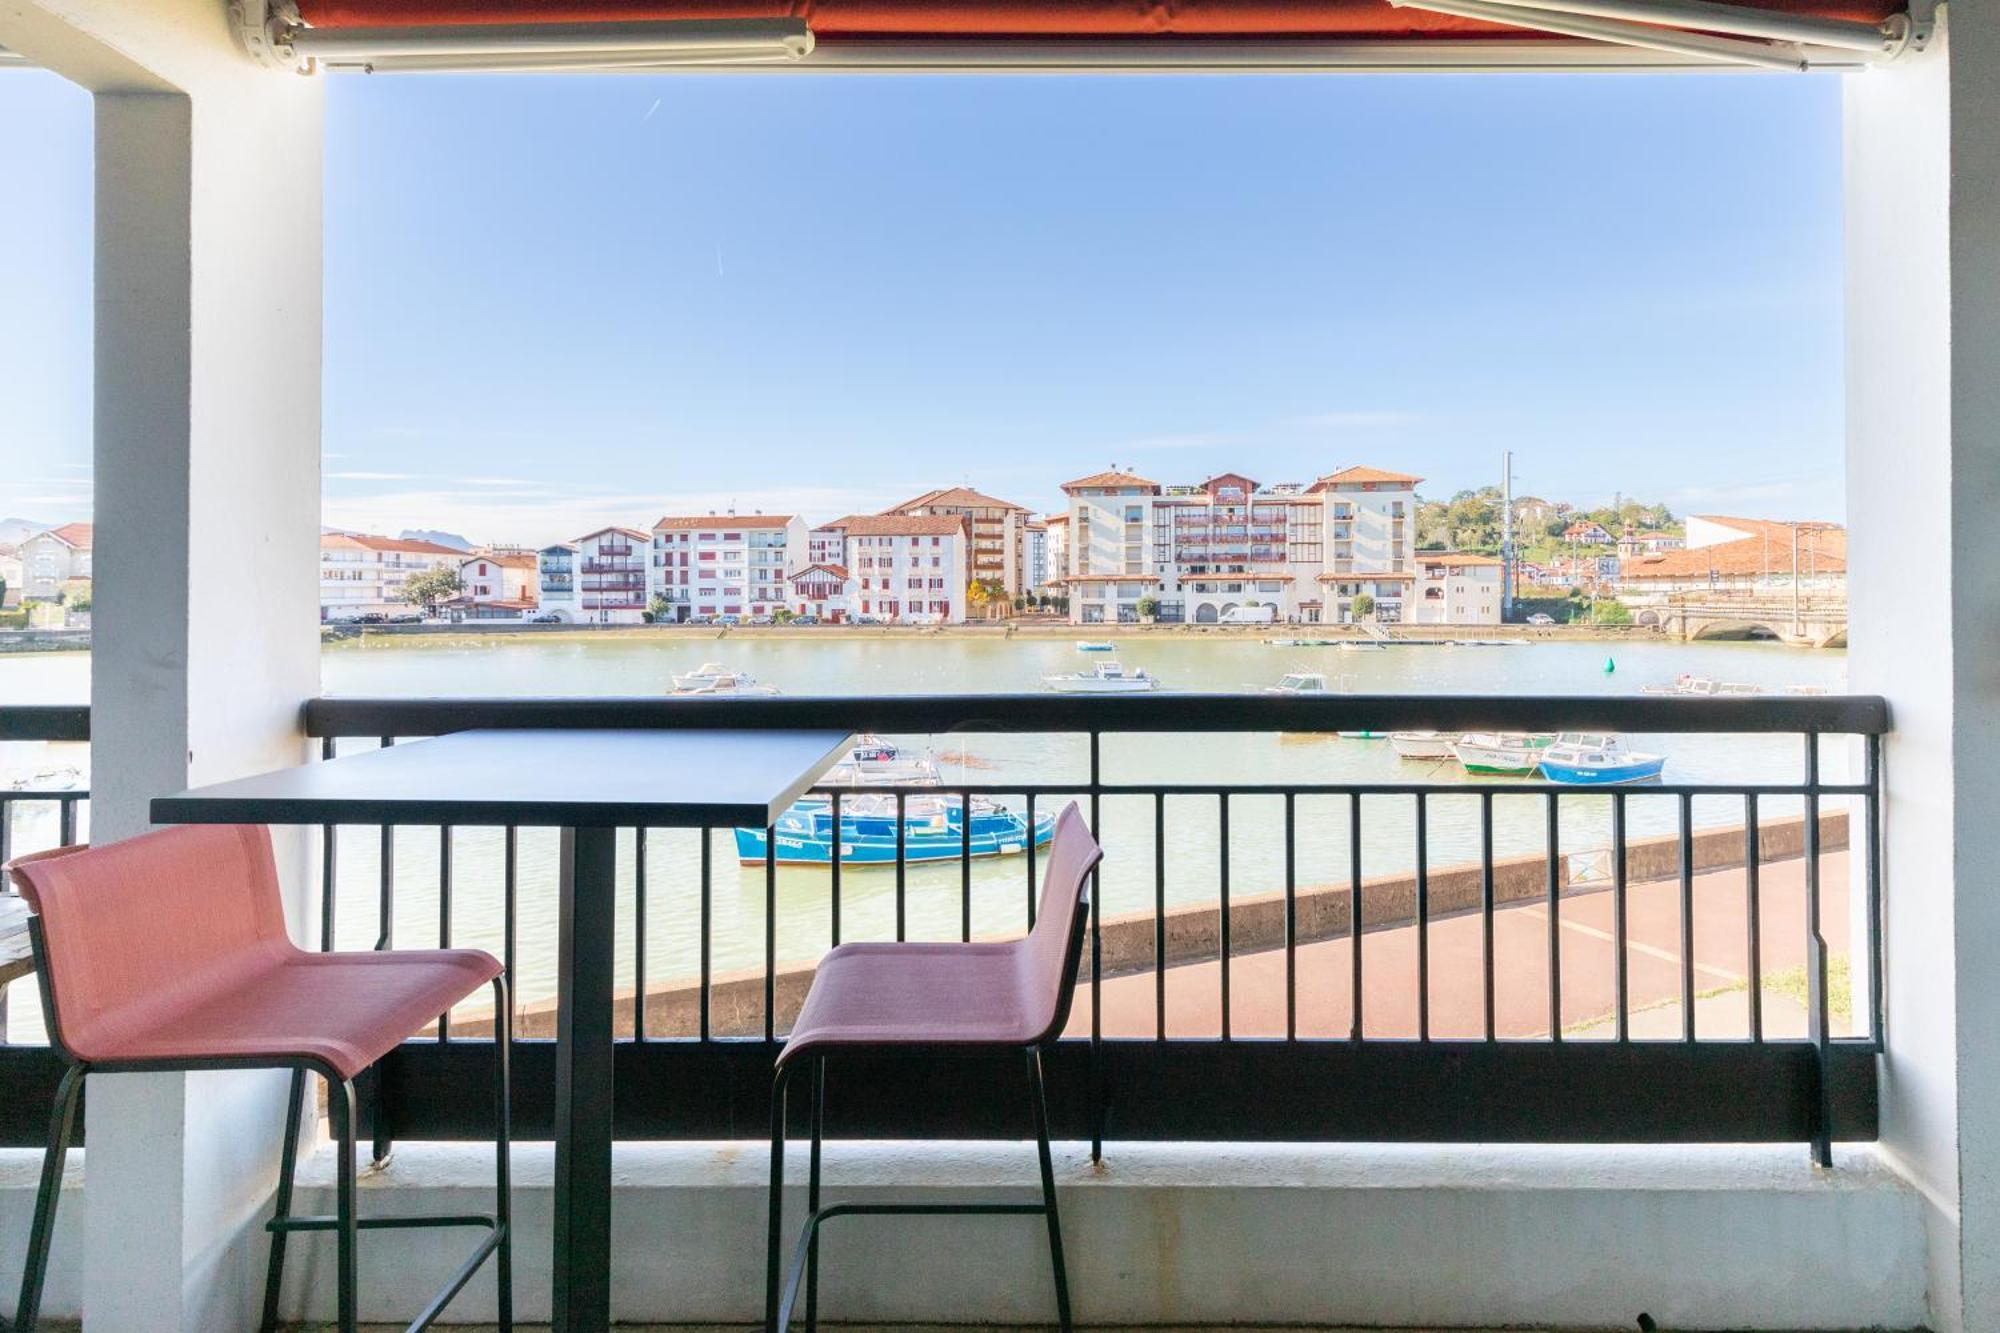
x,y
931,1001
168,952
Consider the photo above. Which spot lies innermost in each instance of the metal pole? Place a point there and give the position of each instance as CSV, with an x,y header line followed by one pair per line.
x,y
1506,533
1737,21
1726,49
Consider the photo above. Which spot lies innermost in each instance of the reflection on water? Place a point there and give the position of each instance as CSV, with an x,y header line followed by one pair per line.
x,y
643,664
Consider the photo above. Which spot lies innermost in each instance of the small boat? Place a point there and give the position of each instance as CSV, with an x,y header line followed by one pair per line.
x,y
1092,646
933,829
1501,753
1596,759
1301,643
714,678
1299,682
1360,645
1702,687
1422,744
1107,678
874,762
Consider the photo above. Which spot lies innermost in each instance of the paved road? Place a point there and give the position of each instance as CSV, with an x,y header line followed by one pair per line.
x,y
1520,934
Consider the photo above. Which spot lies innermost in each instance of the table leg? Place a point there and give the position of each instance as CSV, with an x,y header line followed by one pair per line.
x,y
581,1292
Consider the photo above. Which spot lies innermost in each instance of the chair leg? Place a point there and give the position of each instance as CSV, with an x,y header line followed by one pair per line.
x,y
1049,1190
812,1193
777,1203
503,1191
288,1161
62,1123
340,1101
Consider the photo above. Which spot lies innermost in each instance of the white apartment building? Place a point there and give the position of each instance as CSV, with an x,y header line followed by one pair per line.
x,y
52,559
1201,551
361,574
556,583
1038,554
727,564
1455,589
1056,566
906,569
611,580
998,530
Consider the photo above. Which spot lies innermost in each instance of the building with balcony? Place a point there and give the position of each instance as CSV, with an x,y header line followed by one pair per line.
x,y
905,569
1201,551
826,591
1038,554
361,574
556,585
1455,589
726,564
54,561
996,533
612,586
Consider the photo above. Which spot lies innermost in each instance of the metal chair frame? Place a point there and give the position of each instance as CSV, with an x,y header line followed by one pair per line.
x,y
781,1288
344,1222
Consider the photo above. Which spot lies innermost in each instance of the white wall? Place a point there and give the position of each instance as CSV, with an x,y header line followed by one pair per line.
x,y
1923,348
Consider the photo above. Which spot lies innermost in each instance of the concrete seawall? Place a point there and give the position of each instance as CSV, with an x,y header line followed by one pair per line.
x,y
1256,921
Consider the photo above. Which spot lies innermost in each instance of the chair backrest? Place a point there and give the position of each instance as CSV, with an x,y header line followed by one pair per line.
x,y
137,931
1053,951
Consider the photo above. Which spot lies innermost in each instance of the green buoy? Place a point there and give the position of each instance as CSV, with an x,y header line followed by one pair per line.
x,y
1609,666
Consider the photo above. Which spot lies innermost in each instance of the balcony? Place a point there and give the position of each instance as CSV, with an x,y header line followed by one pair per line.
x,y
1443,960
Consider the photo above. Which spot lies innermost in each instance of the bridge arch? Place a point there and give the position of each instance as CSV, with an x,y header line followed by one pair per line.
x,y
1735,630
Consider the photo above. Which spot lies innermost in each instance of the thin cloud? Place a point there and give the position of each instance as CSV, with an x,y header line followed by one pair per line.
x,y
371,476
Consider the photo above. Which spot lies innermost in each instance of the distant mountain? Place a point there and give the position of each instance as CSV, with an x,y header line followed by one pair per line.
x,y
14,531
451,539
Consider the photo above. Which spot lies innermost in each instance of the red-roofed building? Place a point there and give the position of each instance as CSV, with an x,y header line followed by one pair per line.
x,y
997,529
53,563
905,568
499,585
1201,551
826,591
714,565
362,574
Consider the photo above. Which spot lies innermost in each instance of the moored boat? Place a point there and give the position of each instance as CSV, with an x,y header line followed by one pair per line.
x,y
1597,759
1107,678
932,828
1299,682
874,762
1422,744
1501,753
1701,687
1092,646
713,678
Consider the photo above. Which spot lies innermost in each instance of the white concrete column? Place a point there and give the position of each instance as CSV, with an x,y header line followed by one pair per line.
x,y
1923,238
207,513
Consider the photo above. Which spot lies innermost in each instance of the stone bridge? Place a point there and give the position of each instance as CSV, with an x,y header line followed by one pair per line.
x,y
1814,621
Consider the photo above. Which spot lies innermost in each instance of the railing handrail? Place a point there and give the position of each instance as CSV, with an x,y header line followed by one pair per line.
x,y
1852,714
44,722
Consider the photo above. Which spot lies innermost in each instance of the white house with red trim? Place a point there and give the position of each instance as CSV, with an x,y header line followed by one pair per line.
x,y
362,574
906,569
611,581
53,559
826,591
499,585
726,564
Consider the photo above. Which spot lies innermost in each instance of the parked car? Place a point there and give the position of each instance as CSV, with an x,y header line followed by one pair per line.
x,y
699,620
406,620
805,620
729,620
760,620
550,619
1541,618
867,620
372,618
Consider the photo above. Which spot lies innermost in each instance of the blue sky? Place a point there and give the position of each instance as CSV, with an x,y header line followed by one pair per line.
x,y
556,302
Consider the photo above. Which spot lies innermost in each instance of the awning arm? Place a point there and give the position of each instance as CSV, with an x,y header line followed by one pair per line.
x,y
1883,39
550,47
1565,18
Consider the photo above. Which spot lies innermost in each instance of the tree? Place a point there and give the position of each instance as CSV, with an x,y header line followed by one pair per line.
x,y
983,595
784,615
1148,607
658,609
1364,606
78,600
431,588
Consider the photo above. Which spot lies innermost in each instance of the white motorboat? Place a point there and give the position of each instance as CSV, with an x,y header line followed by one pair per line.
x,y
1105,678
874,762
1422,744
713,678
1702,687
1299,682
1502,753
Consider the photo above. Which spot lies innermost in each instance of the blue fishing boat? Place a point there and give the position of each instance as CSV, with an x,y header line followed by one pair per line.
x,y
1596,759
933,830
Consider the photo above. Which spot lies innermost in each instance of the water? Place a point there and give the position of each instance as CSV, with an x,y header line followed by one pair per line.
x,y
641,664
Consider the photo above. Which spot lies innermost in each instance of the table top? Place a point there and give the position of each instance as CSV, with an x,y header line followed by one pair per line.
x,y
565,779
17,957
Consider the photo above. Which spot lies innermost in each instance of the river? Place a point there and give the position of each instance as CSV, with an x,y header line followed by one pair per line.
x,y
620,664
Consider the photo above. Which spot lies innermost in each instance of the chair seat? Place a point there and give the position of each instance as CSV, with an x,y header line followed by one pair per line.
x,y
929,995
346,1010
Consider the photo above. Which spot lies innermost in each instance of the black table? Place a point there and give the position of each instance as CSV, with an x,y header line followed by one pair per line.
x,y
589,784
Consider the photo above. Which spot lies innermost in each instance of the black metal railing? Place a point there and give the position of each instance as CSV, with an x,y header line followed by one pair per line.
x,y
700,1068
1268,947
